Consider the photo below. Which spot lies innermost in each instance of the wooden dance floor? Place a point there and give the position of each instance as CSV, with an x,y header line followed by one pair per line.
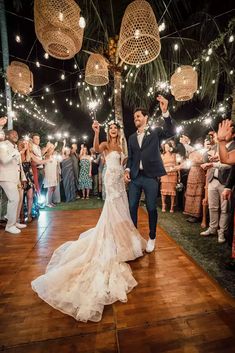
x,y
175,308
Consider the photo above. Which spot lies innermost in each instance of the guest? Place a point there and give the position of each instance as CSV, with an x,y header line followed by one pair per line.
x,y
67,172
51,179
75,160
195,187
85,178
169,181
218,207
11,179
39,153
95,158
226,130
3,197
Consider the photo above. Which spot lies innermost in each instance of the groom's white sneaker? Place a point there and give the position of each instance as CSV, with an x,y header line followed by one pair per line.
x,y
150,245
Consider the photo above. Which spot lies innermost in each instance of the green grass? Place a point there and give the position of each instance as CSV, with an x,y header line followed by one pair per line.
x,y
77,205
206,251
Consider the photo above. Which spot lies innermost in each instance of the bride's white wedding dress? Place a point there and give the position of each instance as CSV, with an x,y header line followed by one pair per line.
x,y
84,275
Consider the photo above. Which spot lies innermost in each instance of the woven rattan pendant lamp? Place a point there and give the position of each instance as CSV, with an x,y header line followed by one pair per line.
x,y
20,78
57,27
97,73
184,83
139,40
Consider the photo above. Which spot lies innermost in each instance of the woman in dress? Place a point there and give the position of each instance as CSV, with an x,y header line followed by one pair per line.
x,y
51,179
85,177
84,275
27,158
169,181
195,191
67,173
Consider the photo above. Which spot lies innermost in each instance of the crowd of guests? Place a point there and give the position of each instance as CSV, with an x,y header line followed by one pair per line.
x,y
199,178
30,174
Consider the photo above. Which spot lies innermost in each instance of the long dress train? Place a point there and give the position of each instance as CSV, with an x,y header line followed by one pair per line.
x,y
84,275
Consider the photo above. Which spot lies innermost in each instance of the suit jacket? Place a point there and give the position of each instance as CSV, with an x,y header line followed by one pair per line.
x,y
223,169
230,183
149,152
10,163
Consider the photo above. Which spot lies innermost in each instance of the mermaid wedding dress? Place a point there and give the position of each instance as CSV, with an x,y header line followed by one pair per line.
x,y
84,275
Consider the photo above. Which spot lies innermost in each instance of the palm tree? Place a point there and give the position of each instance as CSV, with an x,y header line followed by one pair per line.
x,y
5,57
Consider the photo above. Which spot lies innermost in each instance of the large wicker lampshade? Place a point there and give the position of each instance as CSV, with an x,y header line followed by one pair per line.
x,y
57,27
184,83
139,40
97,73
19,77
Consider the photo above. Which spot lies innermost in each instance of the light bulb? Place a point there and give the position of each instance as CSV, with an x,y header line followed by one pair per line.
x,y
63,77
137,34
75,66
176,46
82,22
46,56
37,63
231,38
18,39
210,51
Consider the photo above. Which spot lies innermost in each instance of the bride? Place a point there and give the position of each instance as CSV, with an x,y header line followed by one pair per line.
x,y
84,275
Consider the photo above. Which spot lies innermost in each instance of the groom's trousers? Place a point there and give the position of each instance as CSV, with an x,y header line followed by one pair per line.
x,y
150,188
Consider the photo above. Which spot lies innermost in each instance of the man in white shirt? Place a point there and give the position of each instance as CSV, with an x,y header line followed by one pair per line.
x,y
38,153
11,176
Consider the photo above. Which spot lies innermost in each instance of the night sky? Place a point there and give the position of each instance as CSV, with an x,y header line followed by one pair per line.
x,y
70,118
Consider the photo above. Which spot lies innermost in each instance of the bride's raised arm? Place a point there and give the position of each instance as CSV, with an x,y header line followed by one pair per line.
x,y
99,148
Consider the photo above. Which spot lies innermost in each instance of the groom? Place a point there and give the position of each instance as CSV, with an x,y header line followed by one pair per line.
x,y
145,166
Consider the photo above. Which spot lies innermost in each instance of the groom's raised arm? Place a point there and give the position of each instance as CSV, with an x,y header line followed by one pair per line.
x,y
169,127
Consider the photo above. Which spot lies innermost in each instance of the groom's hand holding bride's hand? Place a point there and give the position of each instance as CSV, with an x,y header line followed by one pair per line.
x,y
127,177
163,103
96,127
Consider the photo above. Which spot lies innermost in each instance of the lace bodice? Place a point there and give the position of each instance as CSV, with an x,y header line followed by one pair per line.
x,y
114,176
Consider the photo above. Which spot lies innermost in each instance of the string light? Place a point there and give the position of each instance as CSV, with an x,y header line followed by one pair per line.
x,y
46,56
47,89
75,66
176,47
82,22
231,38
162,27
210,51
37,63
231,72
18,39
62,77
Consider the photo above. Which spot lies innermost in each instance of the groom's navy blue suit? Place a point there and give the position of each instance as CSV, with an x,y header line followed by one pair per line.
x,y
147,178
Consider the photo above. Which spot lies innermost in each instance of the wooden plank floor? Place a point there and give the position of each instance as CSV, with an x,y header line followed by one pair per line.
x,y
175,308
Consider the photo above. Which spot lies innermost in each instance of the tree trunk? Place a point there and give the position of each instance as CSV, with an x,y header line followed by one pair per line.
x,y
118,97
233,105
118,107
5,59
